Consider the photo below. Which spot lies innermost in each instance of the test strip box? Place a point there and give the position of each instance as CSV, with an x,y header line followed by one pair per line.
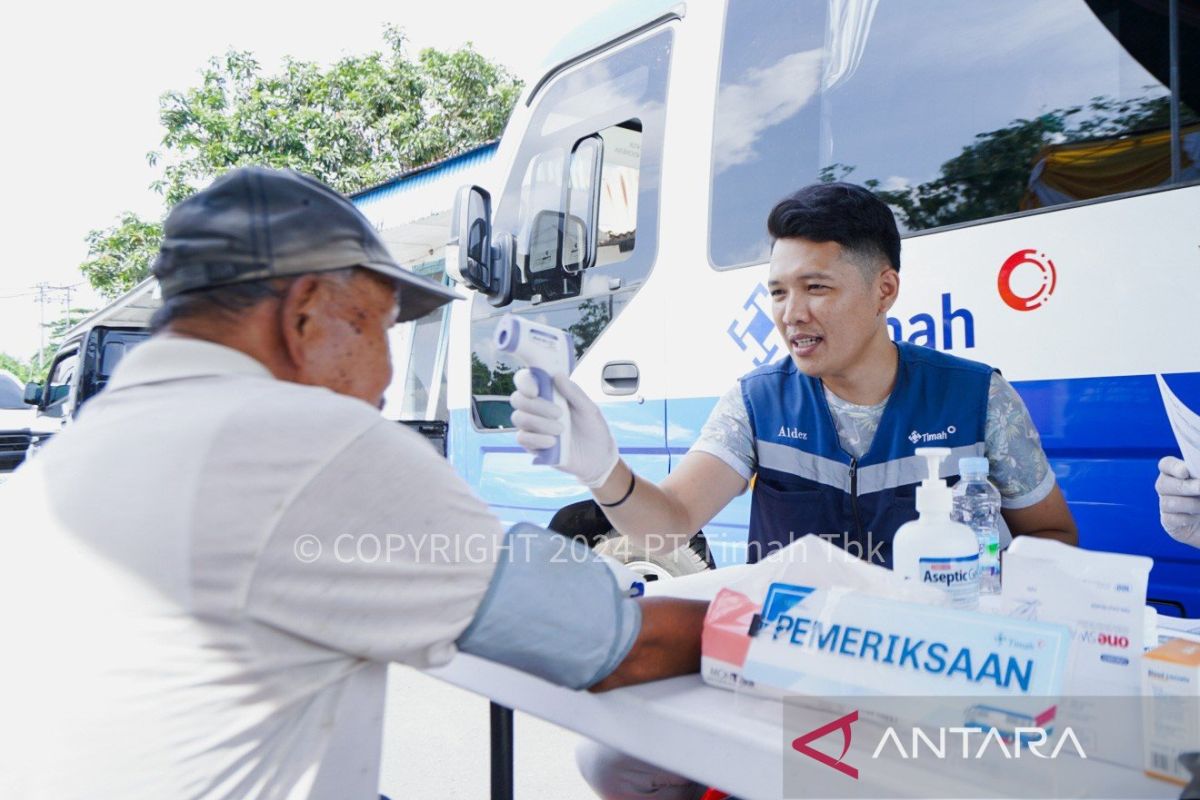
x,y
1171,708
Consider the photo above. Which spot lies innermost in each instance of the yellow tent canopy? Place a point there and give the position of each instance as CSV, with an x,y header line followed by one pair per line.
x,y
1097,168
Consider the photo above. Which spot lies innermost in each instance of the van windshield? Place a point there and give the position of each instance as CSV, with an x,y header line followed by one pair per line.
x,y
11,393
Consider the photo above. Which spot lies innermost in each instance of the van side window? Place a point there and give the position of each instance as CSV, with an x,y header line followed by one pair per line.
x,y
596,187
111,356
582,207
418,347
952,112
58,388
616,220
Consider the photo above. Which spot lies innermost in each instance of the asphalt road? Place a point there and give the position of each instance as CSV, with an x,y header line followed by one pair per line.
x,y
435,745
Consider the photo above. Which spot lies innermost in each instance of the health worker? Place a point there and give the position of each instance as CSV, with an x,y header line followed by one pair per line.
x,y
213,566
827,433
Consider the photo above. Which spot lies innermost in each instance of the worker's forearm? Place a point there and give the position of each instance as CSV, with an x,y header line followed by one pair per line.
x,y
649,516
667,645
1070,537
1049,518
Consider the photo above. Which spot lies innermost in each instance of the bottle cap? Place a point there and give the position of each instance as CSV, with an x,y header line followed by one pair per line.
x,y
974,465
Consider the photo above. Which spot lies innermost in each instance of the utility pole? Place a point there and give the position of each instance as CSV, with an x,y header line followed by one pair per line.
x,y
44,295
67,304
41,290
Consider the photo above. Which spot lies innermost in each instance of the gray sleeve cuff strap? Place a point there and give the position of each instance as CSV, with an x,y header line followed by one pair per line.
x,y
553,609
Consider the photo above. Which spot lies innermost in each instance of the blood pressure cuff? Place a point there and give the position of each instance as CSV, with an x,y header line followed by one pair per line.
x,y
553,609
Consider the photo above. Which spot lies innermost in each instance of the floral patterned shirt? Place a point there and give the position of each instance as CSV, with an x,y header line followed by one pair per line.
x,y
1018,465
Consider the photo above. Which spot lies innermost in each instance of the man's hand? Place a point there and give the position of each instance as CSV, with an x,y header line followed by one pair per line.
x,y
1178,501
593,452
667,645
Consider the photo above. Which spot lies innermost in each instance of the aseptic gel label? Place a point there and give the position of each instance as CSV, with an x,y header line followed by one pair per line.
x,y
957,577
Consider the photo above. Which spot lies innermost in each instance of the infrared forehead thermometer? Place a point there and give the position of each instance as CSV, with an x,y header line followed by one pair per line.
x,y
547,352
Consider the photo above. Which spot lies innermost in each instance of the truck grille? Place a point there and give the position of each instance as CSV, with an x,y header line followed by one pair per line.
x,y
15,442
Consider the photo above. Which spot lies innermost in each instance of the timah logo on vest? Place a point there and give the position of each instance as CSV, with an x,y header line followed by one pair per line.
x,y
792,433
917,437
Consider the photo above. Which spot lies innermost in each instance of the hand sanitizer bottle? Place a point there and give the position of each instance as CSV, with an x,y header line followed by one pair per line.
x,y
934,549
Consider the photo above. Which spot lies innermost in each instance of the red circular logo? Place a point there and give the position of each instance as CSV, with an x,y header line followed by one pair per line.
x,y
1049,278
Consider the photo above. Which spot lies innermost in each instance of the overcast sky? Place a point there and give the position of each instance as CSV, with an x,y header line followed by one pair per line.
x,y
81,87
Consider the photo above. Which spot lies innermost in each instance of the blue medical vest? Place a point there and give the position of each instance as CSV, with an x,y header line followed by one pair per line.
x,y
807,483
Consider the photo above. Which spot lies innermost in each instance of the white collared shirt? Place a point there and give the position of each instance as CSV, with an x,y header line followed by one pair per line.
x,y
208,574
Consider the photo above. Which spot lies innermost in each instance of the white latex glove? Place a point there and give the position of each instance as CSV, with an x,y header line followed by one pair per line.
x,y
593,451
1179,501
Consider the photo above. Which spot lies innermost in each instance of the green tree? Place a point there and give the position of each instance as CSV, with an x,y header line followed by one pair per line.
x,y
119,257
38,364
491,382
21,370
356,123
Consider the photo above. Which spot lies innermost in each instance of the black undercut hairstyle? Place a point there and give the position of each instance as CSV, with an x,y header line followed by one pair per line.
x,y
839,212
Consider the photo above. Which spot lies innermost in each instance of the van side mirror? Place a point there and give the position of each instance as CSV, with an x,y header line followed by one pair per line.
x,y
33,393
472,258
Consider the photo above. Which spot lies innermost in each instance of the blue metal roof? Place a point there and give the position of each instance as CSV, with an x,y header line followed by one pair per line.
x,y
420,176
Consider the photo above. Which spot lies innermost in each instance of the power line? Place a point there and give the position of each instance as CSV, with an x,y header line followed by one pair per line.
x,y
37,291
42,294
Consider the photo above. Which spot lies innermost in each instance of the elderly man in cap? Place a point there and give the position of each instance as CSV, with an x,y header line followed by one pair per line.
x,y
219,558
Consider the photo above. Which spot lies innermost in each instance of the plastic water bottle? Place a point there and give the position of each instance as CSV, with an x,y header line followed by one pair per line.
x,y
977,505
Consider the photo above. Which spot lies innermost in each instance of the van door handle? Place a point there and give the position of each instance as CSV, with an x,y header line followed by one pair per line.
x,y
620,377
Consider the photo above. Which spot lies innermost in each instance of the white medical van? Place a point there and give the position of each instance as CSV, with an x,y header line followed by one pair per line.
x,y
1042,157
16,421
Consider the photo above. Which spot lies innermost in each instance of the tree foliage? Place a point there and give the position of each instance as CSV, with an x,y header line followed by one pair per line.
x,y
484,381
356,123
594,317
119,256
38,365
21,371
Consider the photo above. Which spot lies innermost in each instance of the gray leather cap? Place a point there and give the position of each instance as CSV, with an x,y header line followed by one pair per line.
x,y
254,223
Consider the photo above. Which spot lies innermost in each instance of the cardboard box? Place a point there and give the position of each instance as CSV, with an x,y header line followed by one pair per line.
x,y
1171,708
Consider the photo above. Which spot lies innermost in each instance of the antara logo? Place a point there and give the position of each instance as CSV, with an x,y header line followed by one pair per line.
x,y
941,436
1034,739
801,744
792,433
939,743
